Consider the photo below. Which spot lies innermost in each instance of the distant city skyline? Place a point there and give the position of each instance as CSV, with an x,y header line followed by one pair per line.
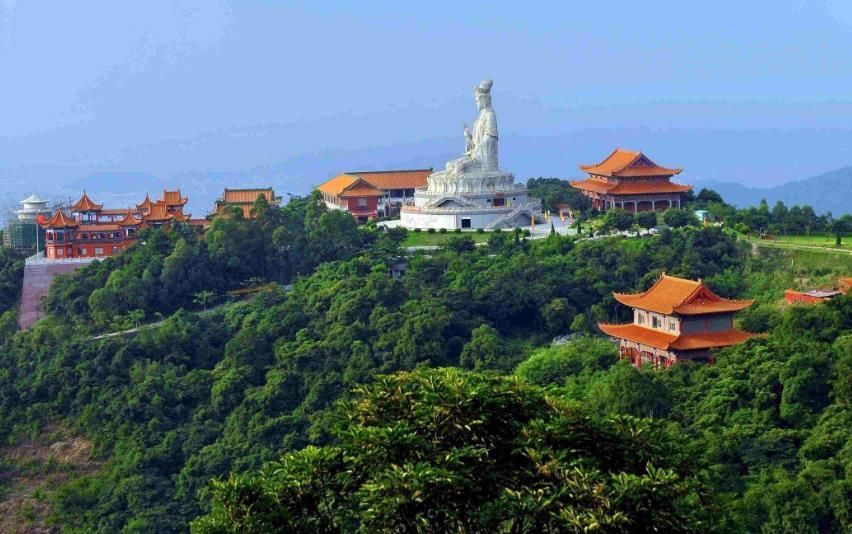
x,y
757,92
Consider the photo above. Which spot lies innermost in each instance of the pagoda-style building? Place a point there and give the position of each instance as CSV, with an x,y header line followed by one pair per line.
x,y
631,181
92,231
676,320
244,199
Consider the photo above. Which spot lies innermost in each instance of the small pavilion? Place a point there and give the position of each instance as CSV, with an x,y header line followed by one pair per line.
x,y
676,320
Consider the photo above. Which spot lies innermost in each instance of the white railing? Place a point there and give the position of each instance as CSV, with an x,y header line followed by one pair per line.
x,y
40,259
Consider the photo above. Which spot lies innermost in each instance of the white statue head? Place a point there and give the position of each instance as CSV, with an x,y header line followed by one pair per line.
x,y
483,94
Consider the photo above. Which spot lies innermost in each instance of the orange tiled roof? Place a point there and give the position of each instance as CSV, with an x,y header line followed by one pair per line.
x,y
336,185
664,341
129,220
628,163
173,198
844,284
179,215
60,220
386,180
157,213
678,295
85,204
629,188
146,204
345,184
361,190
633,332
248,196
711,340
595,186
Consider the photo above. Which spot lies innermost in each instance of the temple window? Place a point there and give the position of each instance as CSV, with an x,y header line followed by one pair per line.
x,y
656,322
362,202
99,251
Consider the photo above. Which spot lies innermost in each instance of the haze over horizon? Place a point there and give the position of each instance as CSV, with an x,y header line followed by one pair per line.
x,y
189,90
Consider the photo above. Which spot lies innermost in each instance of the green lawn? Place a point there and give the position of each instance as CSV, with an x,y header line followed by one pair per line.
x,y
423,239
820,241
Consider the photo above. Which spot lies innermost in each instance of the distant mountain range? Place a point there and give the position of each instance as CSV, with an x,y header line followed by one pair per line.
x,y
829,192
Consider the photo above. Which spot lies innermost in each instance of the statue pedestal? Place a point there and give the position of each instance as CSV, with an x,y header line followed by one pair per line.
x,y
484,199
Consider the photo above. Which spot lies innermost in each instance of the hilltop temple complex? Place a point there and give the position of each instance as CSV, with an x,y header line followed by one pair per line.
x,y
631,181
676,320
92,231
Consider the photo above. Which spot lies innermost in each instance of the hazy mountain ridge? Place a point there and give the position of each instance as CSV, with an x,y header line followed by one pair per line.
x,y
828,192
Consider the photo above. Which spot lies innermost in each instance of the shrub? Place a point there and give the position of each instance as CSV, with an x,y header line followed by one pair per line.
x,y
457,230
417,229
431,230
442,231
480,230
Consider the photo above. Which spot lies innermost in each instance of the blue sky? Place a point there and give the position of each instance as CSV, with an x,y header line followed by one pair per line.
x,y
166,87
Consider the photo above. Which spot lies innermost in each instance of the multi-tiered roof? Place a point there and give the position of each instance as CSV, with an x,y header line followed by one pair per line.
x,y
674,296
628,172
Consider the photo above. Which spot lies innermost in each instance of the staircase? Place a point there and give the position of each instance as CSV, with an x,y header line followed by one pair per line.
x,y
519,210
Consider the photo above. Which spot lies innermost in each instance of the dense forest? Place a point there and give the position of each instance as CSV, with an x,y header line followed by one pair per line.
x,y
288,379
11,280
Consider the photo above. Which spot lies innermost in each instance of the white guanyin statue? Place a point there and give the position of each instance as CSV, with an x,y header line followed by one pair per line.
x,y
478,168
471,191
481,144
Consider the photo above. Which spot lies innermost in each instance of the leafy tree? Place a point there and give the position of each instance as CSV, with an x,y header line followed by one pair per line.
x,y
460,245
647,219
204,298
709,195
554,365
448,451
558,314
485,350
554,191
678,218
617,218
135,317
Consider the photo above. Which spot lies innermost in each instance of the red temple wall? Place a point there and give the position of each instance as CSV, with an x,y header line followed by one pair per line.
x,y
354,207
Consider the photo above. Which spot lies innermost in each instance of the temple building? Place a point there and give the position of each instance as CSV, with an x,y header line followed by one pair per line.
x,y
676,320
372,194
244,199
818,296
631,181
92,231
